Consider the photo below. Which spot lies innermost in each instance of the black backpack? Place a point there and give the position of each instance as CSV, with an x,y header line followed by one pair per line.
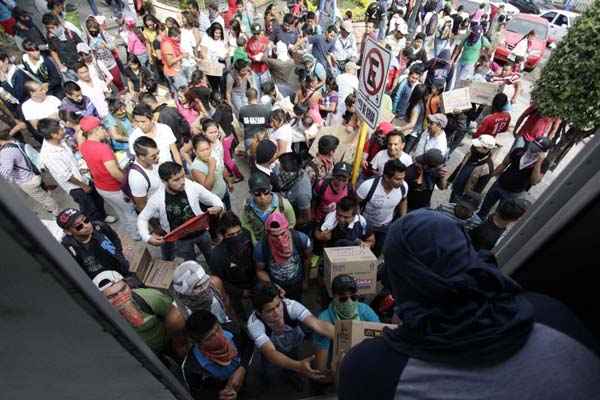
x,y
30,165
125,184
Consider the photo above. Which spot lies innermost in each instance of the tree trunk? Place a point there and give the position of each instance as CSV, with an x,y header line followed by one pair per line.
x,y
566,137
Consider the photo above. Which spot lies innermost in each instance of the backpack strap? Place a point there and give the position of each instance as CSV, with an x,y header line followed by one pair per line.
x,y
363,204
31,167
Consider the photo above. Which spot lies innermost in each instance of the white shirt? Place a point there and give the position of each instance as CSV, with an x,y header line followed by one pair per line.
x,y
62,165
347,84
33,110
397,45
378,162
285,133
257,330
330,221
164,138
216,48
188,41
427,143
95,91
138,183
379,211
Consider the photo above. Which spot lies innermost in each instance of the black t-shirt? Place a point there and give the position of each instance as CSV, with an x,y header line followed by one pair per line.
x,y
103,252
514,179
66,49
419,195
178,209
254,117
234,267
485,236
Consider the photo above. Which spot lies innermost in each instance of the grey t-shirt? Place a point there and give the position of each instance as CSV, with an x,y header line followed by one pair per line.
x,y
254,117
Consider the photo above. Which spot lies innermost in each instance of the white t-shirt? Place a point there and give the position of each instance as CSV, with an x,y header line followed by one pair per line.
x,y
285,133
378,162
32,110
347,84
187,41
139,185
330,221
164,138
257,330
379,211
427,143
96,95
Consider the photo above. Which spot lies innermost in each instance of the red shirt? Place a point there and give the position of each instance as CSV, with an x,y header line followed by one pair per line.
x,y
536,125
95,155
254,46
493,124
328,200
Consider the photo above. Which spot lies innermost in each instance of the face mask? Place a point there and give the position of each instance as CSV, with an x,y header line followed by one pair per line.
x,y
218,349
198,301
239,245
123,303
345,310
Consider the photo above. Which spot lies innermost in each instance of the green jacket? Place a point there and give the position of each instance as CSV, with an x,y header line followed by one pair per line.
x,y
256,226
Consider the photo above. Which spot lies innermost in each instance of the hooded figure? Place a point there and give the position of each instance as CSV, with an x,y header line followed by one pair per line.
x,y
463,323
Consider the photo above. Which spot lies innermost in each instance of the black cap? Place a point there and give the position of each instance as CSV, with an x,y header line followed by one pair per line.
x,y
341,169
265,150
432,158
259,181
343,283
469,200
67,217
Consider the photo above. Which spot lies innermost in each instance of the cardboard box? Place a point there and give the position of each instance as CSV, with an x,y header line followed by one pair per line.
x,y
457,100
483,92
356,261
349,333
156,274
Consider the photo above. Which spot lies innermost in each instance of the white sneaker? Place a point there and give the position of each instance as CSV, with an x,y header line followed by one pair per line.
x,y
110,219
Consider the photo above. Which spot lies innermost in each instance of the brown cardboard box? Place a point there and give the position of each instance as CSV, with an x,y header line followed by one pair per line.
x,y
456,100
483,92
349,333
154,273
356,261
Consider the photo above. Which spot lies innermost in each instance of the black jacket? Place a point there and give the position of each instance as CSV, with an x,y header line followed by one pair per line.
x,y
171,117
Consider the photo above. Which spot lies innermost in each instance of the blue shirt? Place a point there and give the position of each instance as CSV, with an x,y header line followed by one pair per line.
x,y
402,97
365,313
321,48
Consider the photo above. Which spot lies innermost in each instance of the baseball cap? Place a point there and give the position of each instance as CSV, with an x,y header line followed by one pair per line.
x,y
106,279
256,28
343,283
89,123
385,127
259,181
347,26
469,200
83,48
341,169
439,119
432,158
265,150
485,141
67,217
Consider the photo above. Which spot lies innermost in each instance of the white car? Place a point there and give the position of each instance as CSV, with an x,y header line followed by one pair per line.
x,y
511,10
559,22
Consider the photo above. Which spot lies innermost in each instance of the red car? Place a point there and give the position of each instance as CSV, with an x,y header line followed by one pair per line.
x,y
519,26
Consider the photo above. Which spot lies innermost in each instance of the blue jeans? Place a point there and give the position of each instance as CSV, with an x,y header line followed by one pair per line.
x,y
186,248
493,196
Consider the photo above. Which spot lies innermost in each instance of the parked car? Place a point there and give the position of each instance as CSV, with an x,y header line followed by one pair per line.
x,y
516,29
525,6
559,22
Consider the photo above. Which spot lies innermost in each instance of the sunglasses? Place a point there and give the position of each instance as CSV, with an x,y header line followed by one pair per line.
x,y
80,226
259,193
343,299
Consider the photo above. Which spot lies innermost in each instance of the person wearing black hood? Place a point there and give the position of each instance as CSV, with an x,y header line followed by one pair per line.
x,y
476,168
25,29
232,260
439,69
427,172
467,330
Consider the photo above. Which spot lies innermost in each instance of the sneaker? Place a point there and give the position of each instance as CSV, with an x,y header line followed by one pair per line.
x,y
110,219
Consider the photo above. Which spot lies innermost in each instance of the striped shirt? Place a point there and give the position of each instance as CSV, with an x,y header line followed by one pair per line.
x,y
469,223
62,165
13,166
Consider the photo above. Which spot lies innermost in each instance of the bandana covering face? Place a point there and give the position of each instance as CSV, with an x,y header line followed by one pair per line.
x,y
345,310
218,349
279,238
125,306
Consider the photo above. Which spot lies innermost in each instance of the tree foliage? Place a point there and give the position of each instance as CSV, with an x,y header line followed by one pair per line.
x,y
569,86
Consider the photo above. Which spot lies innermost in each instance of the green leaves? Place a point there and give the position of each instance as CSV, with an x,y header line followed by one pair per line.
x,y
569,86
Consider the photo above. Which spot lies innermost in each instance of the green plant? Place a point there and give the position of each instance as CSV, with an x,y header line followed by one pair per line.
x,y
569,86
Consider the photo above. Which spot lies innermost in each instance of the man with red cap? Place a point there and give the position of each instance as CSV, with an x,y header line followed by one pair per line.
x,y
282,257
374,145
106,173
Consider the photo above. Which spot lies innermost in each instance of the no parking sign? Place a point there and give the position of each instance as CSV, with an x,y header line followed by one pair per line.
x,y
373,76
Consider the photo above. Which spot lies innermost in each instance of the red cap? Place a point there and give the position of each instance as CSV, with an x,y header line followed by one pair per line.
x,y
385,127
88,124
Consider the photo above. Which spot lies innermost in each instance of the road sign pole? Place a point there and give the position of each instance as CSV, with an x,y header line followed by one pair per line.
x,y
358,154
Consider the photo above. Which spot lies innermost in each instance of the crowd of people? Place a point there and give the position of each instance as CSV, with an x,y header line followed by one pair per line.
x,y
159,135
